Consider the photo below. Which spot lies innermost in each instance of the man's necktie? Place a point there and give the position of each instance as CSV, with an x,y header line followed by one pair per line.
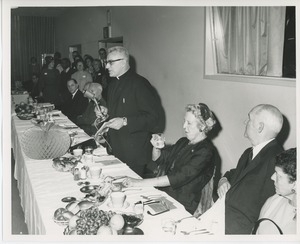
x,y
250,155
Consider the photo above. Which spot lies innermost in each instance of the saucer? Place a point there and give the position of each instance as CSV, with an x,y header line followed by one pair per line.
x,y
125,205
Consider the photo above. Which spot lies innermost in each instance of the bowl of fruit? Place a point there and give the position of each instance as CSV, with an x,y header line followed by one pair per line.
x,y
94,221
24,111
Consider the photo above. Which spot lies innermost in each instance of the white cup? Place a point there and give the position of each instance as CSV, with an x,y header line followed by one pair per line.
x,y
77,152
117,199
95,172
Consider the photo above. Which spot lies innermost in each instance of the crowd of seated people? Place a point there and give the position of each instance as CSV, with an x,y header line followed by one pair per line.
x,y
50,83
262,186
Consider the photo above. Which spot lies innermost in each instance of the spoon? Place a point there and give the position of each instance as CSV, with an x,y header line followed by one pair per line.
x,y
178,221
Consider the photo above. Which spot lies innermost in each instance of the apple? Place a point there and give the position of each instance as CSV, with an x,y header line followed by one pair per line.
x,y
104,230
73,207
67,215
73,222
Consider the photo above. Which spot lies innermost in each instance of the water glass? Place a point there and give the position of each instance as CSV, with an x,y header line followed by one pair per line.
x,y
88,154
169,226
138,208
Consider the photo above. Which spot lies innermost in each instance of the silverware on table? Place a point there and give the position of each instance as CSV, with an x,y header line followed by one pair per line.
x,y
198,230
131,189
178,221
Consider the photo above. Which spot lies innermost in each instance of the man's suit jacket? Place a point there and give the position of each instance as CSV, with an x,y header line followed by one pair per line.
x,y
250,188
76,106
64,78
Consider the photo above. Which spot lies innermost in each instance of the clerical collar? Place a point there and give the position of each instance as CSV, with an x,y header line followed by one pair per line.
x,y
123,75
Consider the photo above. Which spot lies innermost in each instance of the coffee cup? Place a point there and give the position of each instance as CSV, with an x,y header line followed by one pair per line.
x,y
117,199
95,172
77,152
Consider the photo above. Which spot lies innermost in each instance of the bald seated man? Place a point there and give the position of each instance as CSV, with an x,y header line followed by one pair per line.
x,y
86,121
249,185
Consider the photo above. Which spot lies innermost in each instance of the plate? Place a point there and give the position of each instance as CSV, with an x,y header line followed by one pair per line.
x,y
64,164
68,126
125,205
89,189
25,116
68,199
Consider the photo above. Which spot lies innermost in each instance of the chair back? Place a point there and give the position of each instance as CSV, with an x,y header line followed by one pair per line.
x,y
206,200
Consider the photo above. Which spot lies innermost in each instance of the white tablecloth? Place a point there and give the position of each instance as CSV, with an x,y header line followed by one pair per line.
x,y
42,188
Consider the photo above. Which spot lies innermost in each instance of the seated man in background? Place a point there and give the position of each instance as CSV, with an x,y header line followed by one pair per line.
x,y
32,86
75,103
88,120
249,185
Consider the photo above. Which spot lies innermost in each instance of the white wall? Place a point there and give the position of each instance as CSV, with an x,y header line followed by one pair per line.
x,y
82,25
167,44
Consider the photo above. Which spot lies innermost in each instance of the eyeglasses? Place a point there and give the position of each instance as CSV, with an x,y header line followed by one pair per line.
x,y
110,62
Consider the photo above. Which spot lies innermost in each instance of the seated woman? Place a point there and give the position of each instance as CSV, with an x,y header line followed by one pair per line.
x,y
281,208
188,165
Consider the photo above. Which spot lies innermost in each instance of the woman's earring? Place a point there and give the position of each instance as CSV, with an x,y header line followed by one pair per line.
x,y
293,191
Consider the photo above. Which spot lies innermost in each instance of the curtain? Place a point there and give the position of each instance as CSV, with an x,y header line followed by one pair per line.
x,y
249,40
31,36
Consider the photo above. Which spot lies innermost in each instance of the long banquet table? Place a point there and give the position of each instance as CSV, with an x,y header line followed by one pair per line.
x,y
41,189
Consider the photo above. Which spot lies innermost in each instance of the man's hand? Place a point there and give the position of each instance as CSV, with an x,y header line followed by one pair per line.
x,y
116,123
223,187
101,114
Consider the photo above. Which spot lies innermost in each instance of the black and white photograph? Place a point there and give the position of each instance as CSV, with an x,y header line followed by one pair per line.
x,y
153,121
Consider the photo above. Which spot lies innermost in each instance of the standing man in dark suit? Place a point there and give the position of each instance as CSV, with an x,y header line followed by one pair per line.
x,y
75,103
102,56
133,108
65,76
105,79
249,185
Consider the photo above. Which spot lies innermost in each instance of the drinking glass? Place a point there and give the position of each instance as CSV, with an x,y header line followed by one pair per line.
x,y
169,226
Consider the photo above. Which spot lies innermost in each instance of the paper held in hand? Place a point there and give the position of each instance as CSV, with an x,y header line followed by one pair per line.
x,y
104,128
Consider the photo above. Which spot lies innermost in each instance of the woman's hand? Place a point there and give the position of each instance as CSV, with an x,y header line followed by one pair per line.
x,y
158,141
130,182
